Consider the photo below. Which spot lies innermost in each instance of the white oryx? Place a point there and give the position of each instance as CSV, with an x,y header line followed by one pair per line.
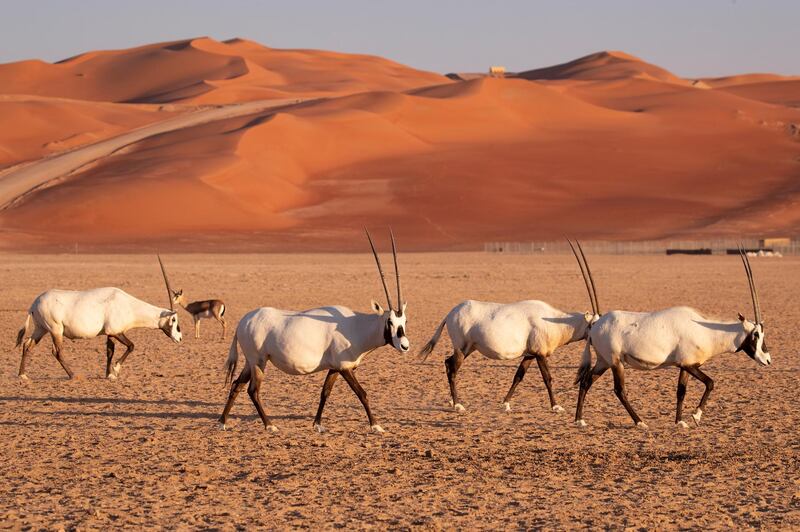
x,y
90,313
530,329
675,337
335,339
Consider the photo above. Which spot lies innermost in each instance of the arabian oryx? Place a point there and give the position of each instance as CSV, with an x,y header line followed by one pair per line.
x,y
675,337
335,339
90,313
530,329
210,308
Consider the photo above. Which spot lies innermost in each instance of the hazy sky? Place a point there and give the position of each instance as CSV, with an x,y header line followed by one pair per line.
x,y
688,37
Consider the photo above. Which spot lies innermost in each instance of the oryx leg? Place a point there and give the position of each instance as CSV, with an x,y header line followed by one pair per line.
x,y
109,355
254,391
452,364
597,371
330,379
541,360
619,389
683,378
124,340
236,387
518,376
27,346
350,377
58,347
695,372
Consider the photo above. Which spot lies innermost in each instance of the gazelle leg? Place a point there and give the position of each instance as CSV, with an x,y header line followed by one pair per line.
x,y
619,389
350,377
518,376
124,340
58,347
597,371
452,365
27,345
196,327
254,390
109,355
330,379
221,319
683,378
541,360
236,387
695,372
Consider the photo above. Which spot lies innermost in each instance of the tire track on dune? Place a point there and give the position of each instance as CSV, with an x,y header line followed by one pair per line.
x,y
18,181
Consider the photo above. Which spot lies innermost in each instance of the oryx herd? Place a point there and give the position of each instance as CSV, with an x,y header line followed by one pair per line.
x,y
336,339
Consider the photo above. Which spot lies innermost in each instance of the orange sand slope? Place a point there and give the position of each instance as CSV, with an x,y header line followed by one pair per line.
x,y
604,146
207,71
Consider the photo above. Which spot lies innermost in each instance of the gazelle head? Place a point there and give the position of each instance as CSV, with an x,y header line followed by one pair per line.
x,y
394,332
588,317
178,298
169,319
754,344
170,326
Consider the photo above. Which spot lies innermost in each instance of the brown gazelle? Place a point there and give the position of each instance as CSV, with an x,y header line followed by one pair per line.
x,y
209,308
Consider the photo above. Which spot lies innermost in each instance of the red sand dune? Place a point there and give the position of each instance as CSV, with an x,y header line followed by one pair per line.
x,y
604,146
207,71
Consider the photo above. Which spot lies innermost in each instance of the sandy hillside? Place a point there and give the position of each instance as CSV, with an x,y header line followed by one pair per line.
x,y
145,450
605,146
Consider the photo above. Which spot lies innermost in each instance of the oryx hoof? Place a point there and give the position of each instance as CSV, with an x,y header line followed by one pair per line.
x,y
271,428
319,428
223,427
23,377
682,424
377,428
507,407
458,407
450,403
642,425
580,423
696,416
111,376
558,409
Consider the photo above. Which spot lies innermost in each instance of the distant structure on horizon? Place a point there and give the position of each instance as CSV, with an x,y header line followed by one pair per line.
x,y
497,71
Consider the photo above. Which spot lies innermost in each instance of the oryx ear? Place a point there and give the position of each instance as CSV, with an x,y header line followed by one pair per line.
x,y
741,318
588,316
377,307
403,310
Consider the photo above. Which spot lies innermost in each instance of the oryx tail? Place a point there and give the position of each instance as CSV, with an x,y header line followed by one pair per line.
x,y
233,360
428,348
585,369
21,333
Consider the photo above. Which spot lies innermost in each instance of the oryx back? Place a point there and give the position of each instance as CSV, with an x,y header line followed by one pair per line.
x,y
88,313
506,331
676,336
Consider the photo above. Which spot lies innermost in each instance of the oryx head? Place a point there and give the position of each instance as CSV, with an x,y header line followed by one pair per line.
x,y
169,325
394,332
169,319
754,344
588,317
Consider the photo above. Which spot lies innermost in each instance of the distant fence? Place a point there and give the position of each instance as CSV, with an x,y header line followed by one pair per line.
x,y
644,247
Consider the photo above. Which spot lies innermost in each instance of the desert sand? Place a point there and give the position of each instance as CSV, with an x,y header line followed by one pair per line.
x,y
145,450
605,146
